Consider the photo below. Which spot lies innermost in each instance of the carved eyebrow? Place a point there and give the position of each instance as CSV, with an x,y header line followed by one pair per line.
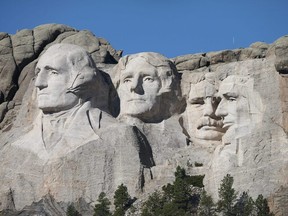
x,y
230,94
196,100
47,67
126,75
37,69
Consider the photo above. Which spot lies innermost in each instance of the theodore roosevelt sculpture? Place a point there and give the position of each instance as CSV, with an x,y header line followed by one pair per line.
x,y
203,124
148,85
67,84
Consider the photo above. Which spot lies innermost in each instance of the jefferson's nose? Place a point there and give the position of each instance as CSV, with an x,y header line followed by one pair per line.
x,y
41,81
136,86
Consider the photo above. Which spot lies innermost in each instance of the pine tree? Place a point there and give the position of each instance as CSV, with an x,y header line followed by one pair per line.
x,y
262,207
244,205
154,205
71,211
122,200
206,205
168,192
227,196
170,209
102,208
180,173
181,194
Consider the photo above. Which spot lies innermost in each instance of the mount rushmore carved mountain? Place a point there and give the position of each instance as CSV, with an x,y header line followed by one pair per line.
x,y
78,119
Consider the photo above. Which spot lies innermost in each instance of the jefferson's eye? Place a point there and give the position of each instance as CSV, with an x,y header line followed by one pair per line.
x,y
148,79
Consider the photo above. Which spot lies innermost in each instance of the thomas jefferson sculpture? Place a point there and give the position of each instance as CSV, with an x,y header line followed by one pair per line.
x,y
148,86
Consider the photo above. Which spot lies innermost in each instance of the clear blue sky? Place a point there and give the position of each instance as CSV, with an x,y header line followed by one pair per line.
x,y
170,27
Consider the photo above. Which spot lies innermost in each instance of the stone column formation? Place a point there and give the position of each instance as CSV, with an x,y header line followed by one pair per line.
x,y
78,119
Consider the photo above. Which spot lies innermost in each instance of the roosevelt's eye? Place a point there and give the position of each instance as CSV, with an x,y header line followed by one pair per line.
x,y
197,101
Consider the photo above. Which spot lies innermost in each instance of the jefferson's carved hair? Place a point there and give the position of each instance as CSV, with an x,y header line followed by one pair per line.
x,y
169,78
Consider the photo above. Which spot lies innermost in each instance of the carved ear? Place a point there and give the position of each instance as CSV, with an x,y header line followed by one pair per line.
x,y
116,71
166,83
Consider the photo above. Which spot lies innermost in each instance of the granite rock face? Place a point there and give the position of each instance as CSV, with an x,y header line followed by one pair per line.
x,y
75,122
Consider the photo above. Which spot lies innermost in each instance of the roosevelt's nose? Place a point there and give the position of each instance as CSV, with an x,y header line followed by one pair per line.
x,y
208,108
41,81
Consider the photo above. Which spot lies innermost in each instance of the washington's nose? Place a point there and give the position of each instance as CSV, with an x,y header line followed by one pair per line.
x,y
41,81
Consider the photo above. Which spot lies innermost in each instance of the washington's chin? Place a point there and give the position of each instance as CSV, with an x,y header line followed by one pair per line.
x,y
48,109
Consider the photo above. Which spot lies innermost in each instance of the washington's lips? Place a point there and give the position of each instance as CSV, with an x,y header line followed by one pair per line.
x,y
41,93
136,99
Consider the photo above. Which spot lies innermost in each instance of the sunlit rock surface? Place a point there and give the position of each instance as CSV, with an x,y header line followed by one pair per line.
x,y
221,112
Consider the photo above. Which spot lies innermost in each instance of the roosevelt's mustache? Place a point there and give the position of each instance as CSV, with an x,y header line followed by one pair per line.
x,y
207,121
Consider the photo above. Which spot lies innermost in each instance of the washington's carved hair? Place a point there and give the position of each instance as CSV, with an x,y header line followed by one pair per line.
x,y
85,79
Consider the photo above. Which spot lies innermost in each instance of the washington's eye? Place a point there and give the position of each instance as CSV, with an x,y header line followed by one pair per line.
x,y
126,80
54,72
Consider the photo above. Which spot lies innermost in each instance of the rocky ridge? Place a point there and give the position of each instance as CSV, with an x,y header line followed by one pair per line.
x,y
257,158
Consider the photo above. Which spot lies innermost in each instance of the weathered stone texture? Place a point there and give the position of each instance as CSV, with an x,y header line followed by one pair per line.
x,y
281,49
19,54
97,151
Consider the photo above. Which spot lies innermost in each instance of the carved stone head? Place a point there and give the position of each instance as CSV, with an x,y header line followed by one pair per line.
x,y
240,104
202,102
143,81
65,76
